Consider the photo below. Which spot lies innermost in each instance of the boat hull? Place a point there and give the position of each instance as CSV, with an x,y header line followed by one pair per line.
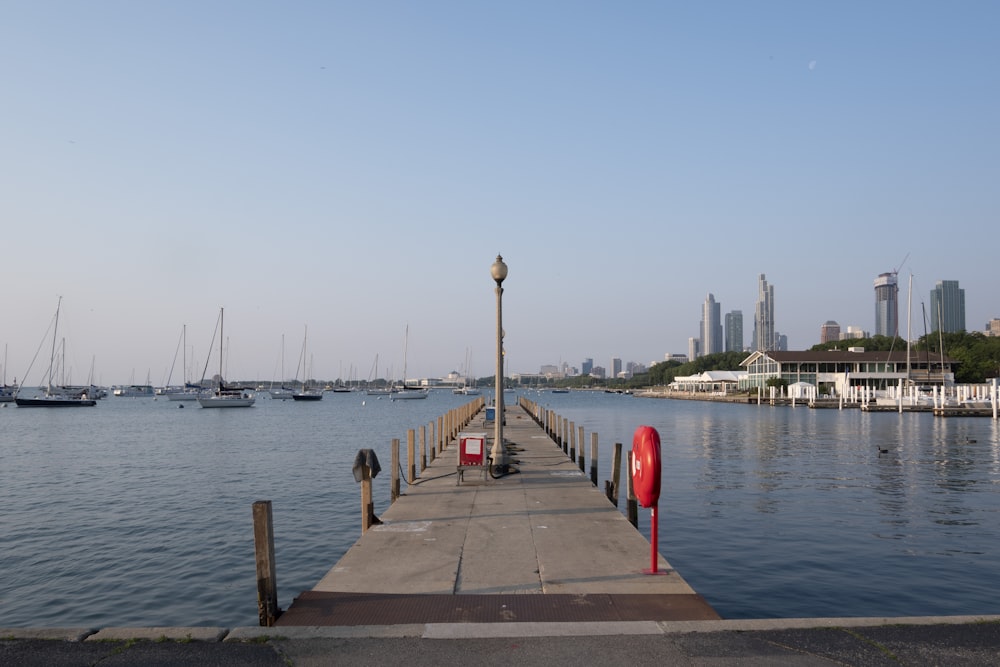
x,y
54,402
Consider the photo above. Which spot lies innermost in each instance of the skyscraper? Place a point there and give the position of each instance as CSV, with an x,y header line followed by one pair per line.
x,y
763,320
711,326
616,367
587,366
829,332
886,305
947,307
734,331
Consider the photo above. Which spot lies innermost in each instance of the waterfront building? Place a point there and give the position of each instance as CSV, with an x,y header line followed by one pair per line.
x,y
616,367
763,321
886,305
948,307
715,382
835,371
829,332
734,331
694,348
587,366
993,327
711,326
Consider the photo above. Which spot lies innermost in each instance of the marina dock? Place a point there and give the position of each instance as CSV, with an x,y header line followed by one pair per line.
x,y
539,545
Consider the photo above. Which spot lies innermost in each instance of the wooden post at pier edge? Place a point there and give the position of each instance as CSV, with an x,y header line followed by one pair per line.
x,y
267,583
367,503
631,504
394,460
411,457
611,486
593,459
580,456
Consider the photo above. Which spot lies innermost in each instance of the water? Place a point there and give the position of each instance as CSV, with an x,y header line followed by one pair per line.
x,y
137,512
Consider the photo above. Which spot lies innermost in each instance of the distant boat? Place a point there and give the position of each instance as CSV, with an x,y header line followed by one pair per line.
x,y
281,392
189,392
408,393
560,391
305,392
7,391
377,391
55,397
223,396
464,389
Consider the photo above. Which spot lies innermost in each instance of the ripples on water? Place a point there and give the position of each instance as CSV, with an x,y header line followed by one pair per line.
x,y
139,513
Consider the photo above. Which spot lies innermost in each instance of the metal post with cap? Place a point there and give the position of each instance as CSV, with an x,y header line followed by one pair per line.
x,y
498,453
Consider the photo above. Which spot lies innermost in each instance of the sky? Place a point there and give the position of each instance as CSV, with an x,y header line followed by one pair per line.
x,y
354,168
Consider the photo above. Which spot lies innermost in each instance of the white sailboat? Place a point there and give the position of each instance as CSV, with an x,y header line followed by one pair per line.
x,y
376,391
186,391
55,397
223,396
405,392
305,392
281,392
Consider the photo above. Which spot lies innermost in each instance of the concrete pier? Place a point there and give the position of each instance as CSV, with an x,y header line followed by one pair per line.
x,y
543,544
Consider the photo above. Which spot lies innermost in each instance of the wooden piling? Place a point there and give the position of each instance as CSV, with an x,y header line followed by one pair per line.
x,y
632,505
423,449
430,430
441,443
367,502
572,441
580,456
267,582
611,486
394,464
593,459
411,456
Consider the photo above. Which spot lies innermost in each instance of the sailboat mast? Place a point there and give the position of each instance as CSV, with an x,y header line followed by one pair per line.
x,y
222,325
52,357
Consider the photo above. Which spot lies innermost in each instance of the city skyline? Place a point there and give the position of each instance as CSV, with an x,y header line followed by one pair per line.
x,y
356,168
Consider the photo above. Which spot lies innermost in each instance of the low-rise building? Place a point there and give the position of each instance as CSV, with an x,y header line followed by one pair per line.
x,y
835,371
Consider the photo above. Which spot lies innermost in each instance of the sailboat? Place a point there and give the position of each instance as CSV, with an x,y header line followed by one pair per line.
x,y
7,392
464,388
223,396
188,391
282,393
55,397
376,391
305,393
406,392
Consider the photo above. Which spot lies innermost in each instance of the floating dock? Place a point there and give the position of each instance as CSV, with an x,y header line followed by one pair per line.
x,y
540,545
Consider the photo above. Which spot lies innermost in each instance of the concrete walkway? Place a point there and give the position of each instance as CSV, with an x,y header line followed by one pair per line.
x,y
491,545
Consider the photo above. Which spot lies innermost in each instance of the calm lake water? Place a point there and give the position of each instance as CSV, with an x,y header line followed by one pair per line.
x,y
138,513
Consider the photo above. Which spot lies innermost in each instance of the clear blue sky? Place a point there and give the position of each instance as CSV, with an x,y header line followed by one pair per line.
x,y
356,167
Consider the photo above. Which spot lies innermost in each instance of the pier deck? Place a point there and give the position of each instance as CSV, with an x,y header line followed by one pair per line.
x,y
540,545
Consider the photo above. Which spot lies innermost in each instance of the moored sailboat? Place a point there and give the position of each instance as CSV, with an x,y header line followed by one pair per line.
x,y
54,397
223,396
305,392
406,392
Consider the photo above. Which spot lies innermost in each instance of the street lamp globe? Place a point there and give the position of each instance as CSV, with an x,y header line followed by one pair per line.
x,y
499,270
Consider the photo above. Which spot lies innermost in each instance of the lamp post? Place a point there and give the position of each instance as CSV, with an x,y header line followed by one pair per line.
x,y
499,453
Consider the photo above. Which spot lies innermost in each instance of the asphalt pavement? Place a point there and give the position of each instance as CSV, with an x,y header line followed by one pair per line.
x,y
795,642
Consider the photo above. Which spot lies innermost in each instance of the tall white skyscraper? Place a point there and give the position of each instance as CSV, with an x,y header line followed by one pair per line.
x,y
711,326
763,319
